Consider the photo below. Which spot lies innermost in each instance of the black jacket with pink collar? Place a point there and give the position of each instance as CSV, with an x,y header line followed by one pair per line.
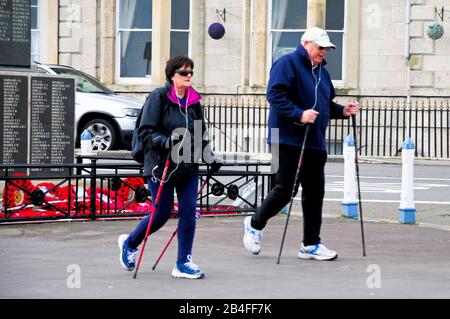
x,y
164,117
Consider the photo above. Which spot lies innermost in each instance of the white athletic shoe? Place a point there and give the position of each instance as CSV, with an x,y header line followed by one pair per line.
x,y
318,252
252,237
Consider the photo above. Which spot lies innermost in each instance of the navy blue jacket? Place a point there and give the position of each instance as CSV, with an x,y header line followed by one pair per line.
x,y
291,90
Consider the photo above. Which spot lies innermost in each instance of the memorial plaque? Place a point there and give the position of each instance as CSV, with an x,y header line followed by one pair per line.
x,y
14,120
52,122
15,33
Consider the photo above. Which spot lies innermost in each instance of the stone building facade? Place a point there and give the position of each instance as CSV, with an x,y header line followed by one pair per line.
x,y
106,38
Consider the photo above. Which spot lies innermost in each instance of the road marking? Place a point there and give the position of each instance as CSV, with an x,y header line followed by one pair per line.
x,y
390,177
392,188
382,201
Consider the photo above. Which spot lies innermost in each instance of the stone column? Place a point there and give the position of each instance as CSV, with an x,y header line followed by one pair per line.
x,y
160,39
352,44
107,41
316,14
246,12
48,20
258,51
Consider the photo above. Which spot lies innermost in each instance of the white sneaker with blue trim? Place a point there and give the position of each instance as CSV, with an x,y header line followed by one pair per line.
x,y
127,255
252,237
318,252
187,270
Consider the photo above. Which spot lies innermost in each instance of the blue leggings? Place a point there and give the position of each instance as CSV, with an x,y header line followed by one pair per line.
x,y
187,201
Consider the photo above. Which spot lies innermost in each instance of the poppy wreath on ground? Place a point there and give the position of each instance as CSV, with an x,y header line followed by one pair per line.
x,y
81,205
146,207
221,210
104,201
33,212
57,196
62,194
19,192
132,196
2,208
50,191
127,191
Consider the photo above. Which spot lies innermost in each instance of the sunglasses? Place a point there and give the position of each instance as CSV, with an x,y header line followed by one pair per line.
x,y
321,48
184,72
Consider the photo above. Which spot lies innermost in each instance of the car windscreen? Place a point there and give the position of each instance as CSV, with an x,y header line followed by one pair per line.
x,y
85,82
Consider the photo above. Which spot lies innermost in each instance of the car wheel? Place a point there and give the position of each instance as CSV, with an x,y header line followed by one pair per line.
x,y
103,134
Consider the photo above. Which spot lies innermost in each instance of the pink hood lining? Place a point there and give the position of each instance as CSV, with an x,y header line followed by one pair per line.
x,y
191,94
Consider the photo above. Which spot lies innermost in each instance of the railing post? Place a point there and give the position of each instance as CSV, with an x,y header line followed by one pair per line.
x,y
92,207
349,203
78,161
407,211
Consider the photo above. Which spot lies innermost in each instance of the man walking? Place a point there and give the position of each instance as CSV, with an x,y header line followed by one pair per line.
x,y
300,93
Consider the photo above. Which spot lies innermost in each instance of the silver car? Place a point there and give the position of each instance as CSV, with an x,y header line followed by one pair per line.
x,y
109,117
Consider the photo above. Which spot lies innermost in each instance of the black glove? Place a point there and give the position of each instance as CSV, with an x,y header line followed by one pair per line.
x,y
170,141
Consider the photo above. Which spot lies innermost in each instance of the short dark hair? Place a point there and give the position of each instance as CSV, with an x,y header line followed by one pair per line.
x,y
177,63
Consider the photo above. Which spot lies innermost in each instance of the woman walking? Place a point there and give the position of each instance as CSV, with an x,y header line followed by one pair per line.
x,y
167,128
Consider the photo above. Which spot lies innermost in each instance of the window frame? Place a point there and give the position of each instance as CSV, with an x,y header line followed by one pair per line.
x,y
189,31
342,82
270,31
337,83
127,80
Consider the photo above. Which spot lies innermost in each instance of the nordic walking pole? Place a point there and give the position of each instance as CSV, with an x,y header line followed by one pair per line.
x,y
165,248
155,204
359,188
296,183
176,228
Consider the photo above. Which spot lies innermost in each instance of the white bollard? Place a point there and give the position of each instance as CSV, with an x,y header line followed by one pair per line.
x,y
350,203
86,145
407,211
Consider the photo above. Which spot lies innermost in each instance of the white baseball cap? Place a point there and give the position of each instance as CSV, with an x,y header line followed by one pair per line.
x,y
318,36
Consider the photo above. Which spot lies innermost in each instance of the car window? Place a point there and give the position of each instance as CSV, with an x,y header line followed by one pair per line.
x,y
85,82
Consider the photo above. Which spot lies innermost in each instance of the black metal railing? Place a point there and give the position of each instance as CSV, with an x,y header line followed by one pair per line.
x,y
239,124
96,190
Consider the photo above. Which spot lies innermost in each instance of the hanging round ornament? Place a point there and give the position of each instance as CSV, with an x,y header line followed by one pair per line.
x,y
435,31
216,31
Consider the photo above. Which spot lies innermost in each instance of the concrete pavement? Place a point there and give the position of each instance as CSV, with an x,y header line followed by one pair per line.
x,y
44,260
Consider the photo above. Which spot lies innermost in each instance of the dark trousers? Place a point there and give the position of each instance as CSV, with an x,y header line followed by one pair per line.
x,y
187,201
312,179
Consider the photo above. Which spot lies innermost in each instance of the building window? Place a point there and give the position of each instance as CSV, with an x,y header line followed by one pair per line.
x,y
35,33
288,22
180,31
134,38
335,26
